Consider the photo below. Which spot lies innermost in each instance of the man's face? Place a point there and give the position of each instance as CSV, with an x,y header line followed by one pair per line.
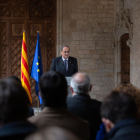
x,y
65,52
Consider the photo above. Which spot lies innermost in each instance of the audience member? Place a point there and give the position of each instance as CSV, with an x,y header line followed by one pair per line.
x,y
53,133
31,111
133,91
128,88
53,89
82,105
118,112
14,111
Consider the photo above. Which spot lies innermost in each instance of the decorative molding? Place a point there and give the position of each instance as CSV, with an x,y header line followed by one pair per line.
x,y
12,8
40,8
17,29
115,45
3,61
35,27
123,20
50,44
3,26
15,56
123,25
121,4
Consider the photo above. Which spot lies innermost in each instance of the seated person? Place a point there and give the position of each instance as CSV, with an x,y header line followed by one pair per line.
x,y
30,109
82,105
128,88
119,112
14,111
53,89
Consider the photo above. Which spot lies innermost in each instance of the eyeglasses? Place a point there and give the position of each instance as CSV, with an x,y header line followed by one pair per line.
x,y
66,52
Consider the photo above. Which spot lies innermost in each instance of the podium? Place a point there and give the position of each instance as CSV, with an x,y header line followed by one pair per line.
x,y
68,79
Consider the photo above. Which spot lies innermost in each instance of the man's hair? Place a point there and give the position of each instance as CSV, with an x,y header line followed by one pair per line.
x,y
53,89
80,88
64,46
118,106
15,78
13,101
133,91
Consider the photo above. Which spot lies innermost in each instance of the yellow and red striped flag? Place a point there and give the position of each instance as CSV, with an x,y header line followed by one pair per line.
x,y
25,80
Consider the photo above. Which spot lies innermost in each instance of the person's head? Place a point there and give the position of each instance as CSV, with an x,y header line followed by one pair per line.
x,y
53,89
80,83
116,107
15,78
13,101
65,50
133,91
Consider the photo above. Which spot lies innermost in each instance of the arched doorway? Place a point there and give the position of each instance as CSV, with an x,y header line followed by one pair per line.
x,y
125,58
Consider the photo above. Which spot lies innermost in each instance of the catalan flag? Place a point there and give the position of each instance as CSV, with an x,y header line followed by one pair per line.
x,y
25,81
37,69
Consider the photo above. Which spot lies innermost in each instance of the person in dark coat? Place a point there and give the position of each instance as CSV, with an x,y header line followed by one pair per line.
x,y
65,64
129,89
53,89
30,109
119,113
82,105
14,111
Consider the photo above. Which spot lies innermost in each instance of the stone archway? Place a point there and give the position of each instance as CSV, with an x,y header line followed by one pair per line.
x,y
125,58
123,25
117,49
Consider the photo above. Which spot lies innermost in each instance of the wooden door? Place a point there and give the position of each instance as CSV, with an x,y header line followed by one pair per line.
x,y
31,16
125,59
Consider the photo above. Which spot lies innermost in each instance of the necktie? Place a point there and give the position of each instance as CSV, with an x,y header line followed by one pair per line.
x,y
66,65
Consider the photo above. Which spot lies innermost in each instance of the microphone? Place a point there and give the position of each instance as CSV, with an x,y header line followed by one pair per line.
x,y
74,66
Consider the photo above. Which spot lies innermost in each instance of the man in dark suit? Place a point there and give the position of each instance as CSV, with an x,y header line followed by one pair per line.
x,y
53,89
82,105
65,64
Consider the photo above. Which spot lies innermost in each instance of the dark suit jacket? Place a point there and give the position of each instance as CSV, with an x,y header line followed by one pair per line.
x,y
88,109
58,65
53,116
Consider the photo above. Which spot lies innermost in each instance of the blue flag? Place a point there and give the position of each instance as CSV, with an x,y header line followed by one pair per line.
x,y
37,70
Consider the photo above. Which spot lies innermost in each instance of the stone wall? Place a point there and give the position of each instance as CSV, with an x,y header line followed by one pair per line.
x,y
135,50
87,27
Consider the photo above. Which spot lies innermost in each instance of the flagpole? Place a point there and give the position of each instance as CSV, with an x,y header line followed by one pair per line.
x,y
38,98
38,106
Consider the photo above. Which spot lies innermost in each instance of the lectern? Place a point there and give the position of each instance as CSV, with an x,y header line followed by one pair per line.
x,y
68,79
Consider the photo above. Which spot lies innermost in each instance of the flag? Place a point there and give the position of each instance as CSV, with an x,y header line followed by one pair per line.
x,y
37,70
25,80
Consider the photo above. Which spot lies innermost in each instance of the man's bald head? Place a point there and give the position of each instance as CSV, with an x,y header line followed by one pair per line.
x,y
80,83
